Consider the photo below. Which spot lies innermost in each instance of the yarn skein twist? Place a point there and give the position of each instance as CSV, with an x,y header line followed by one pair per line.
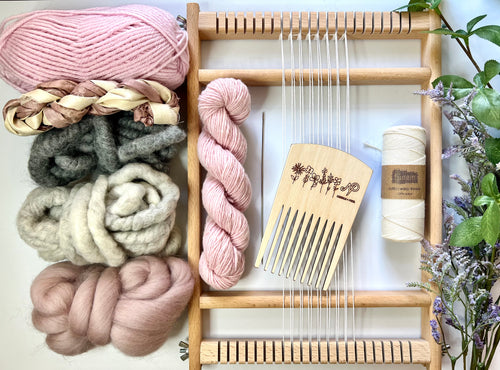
x,y
226,191
127,214
134,307
100,144
122,43
64,102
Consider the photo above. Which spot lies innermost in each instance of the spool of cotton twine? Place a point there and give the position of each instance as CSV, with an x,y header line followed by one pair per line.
x,y
403,184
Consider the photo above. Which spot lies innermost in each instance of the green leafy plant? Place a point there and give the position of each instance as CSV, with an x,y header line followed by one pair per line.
x,y
466,265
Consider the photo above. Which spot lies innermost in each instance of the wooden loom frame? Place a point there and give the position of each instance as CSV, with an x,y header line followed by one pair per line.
x,y
360,25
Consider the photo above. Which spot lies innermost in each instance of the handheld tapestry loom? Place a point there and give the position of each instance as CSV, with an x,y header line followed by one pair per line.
x,y
206,26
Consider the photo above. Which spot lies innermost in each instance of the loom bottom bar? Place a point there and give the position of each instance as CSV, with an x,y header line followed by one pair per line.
x,y
274,299
269,351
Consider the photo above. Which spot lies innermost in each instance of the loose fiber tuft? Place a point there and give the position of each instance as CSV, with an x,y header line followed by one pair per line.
x,y
100,144
134,306
126,214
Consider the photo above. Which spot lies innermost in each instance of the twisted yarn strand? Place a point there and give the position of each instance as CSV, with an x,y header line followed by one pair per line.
x,y
122,43
226,191
101,144
134,306
64,102
127,214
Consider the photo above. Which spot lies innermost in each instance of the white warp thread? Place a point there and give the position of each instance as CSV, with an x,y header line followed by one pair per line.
x,y
403,219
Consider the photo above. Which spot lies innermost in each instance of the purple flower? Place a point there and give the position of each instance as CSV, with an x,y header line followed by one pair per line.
x,y
478,341
449,321
435,331
437,94
450,151
462,202
493,313
438,307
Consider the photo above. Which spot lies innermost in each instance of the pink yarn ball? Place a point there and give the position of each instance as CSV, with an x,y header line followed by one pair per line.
x,y
128,42
226,192
134,307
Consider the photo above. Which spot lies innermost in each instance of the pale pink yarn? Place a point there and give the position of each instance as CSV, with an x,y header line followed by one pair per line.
x,y
226,192
127,42
134,307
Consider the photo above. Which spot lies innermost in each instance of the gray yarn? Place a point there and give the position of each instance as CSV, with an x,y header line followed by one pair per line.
x,y
127,214
100,144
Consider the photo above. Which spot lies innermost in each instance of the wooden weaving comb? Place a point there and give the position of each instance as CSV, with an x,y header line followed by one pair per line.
x,y
318,197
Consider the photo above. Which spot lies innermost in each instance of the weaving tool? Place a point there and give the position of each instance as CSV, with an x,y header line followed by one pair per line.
x,y
319,194
268,26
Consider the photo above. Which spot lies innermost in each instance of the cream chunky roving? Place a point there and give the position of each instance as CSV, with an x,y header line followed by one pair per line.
x,y
134,307
129,213
100,144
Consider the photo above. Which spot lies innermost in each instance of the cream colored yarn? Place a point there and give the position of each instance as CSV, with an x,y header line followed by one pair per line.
x,y
403,220
127,214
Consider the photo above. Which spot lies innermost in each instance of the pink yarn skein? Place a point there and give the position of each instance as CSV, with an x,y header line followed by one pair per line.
x,y
226,192
134,307
122,43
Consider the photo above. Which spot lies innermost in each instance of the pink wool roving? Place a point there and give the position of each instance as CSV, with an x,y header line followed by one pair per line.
x,y
134,307
226,192
127,42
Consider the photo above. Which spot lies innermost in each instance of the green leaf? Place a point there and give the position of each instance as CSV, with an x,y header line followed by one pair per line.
x,y
489,185
461,87
483,200
446,31
462,34
490,33
492,149
417,5
486,107
490,224
491,70
474,21
435,4
479,79
467,233
414,6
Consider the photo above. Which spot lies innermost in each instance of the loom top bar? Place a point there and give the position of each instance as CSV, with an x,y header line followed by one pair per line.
x,y
268,25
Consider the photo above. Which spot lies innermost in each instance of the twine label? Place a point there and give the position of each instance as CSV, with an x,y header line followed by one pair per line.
x,y
403,181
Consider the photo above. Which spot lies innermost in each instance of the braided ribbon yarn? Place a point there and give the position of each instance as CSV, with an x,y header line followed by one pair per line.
x,y
103,144
122,43
64,102
134,306
127,214
226,192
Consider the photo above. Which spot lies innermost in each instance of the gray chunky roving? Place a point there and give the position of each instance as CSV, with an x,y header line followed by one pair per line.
x,y
126,214
100,144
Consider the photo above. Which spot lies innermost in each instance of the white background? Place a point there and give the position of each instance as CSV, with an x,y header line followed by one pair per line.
x,y
379,264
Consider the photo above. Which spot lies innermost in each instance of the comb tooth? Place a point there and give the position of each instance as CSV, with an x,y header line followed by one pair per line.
x,y
306,247
295,242
285,239
277,236
274,217
315,249
321,254
332,261
301,244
